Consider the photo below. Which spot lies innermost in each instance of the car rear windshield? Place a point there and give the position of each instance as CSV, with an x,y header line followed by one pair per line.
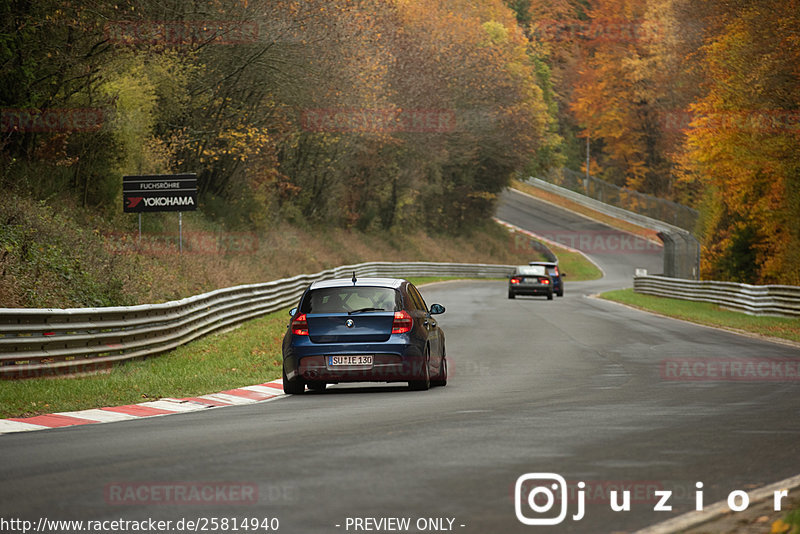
x,y
551,269
531,270
351,299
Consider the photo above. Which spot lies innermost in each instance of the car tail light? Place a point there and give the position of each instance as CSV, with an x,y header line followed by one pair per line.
x,y
555,271
515,280
545,281
402,322
300,325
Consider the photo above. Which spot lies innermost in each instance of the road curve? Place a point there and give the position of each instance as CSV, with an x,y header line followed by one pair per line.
x,y
571,386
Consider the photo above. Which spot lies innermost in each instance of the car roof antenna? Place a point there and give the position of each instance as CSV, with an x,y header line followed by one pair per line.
x,y
354,278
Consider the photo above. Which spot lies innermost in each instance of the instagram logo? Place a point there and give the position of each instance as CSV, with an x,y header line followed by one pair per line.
x,y
540,491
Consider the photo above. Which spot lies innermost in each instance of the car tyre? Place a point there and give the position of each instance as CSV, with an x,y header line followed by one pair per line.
x,y
511,295
317,386
293,387
550,296
424,383
441,380
560,293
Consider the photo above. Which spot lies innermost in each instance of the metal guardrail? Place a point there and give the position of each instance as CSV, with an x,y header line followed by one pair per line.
x,y
783,301
681,249
622,197
41,342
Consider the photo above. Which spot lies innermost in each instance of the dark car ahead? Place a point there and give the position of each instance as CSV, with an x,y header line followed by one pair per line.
x,y
364,330
530,280
555,274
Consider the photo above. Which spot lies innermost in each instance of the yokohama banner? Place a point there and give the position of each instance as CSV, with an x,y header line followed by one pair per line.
x,y
159,192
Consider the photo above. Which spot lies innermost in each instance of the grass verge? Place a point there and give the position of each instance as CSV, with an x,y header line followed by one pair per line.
x,y
248,355
709,314
577,267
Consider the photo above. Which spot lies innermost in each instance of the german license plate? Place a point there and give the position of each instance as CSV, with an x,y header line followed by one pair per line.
x,y
359,361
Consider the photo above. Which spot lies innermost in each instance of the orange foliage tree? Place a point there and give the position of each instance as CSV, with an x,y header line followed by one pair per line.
x,y
621,93
744,145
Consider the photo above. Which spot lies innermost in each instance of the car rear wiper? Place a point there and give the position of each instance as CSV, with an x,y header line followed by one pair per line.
x,y
365,310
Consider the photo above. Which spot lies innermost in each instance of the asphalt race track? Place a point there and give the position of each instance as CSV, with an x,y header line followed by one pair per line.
x,y
573,387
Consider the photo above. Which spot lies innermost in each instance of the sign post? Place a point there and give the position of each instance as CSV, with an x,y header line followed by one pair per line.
x,y
160,192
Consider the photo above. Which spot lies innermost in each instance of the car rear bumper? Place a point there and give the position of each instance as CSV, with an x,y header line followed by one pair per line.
x,y
391,363
520,289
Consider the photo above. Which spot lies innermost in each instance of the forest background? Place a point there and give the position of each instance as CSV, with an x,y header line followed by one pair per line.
x,y
389,118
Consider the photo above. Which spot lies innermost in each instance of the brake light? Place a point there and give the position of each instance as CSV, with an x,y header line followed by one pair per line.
x,y
300,325
545,281
555,270
402,322
515,280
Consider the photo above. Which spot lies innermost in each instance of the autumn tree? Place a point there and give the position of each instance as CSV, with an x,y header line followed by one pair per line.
x,y
263,100
744,144
619,95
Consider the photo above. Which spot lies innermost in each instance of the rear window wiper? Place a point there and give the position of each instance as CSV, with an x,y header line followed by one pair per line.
x,y
365,310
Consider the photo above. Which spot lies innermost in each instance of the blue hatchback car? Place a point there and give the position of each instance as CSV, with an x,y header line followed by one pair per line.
x,y
555,273
363,330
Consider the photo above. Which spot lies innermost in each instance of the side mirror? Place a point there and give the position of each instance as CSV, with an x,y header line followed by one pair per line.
x,y
563,275
436,309
292,312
